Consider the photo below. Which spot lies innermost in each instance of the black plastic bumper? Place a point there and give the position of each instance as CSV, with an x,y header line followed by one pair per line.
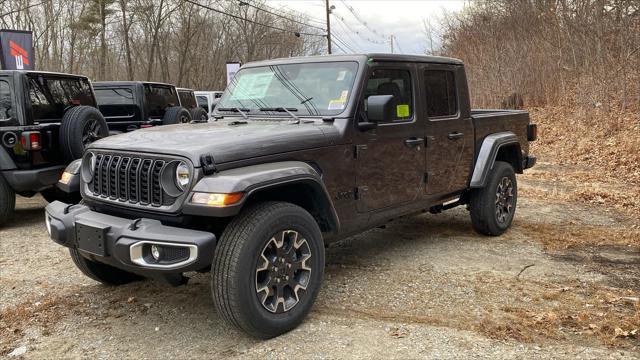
x,y
125,243
529,162
33,180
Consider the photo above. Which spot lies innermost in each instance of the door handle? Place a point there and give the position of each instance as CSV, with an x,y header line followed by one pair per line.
x,y
413,142
455,135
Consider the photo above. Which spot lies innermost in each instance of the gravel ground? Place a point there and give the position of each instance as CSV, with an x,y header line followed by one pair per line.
x,y
423,287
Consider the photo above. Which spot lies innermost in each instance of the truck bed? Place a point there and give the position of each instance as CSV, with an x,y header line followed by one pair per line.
x,y
489,121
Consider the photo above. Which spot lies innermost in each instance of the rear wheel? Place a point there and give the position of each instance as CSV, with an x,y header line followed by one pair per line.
x,y
199,114
268,268
176,115
81,125
493,207
100,272
7,201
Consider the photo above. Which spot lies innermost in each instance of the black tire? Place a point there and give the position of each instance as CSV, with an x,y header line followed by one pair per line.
x,y
7,201
103,273
235,272
489,214
198,113
176,115
81,125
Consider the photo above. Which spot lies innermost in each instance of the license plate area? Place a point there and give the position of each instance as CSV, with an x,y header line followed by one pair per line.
x,y
91,237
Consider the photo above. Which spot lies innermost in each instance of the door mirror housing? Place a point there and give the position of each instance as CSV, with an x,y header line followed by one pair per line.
x,y
379,109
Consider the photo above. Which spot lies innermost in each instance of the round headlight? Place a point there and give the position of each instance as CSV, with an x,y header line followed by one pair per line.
x,y
183,177
88,167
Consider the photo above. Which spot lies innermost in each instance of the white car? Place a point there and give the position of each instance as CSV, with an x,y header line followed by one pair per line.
x,y
208,100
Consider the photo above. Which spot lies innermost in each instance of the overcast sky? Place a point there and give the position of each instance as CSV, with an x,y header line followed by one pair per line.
x,y
403,19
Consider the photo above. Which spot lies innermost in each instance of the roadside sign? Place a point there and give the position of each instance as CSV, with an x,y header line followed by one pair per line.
x,y
17,50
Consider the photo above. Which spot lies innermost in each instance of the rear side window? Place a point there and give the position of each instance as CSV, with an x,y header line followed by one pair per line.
x,y
441,93
6,107
50,97
159,98
396,83
114,96
187,99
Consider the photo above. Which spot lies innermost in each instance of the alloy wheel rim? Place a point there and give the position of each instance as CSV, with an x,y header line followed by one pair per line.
x,y
504,199
91,132
283,271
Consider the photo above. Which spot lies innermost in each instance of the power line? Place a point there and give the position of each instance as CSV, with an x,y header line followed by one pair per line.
x,y
280,16
296,33
343,43
346,33
362,36
361,21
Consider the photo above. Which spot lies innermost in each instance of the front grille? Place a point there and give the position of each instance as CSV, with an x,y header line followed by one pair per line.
x,y
136,180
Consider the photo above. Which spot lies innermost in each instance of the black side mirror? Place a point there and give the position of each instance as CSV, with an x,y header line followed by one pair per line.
x,y
379,109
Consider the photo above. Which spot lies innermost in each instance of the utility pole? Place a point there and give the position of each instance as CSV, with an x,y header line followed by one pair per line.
x,y
391,41
328,27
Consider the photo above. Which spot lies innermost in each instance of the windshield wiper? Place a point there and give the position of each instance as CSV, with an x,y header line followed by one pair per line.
x,y
241,111
282,109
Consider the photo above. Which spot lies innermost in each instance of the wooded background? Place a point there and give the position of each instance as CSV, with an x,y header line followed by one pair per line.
x,y
162,40
551,52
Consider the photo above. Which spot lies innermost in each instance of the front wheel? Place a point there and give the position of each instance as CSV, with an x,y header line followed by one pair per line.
x,y
268,268
493,207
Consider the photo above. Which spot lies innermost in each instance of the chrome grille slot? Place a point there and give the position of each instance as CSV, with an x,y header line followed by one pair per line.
x,y
132,179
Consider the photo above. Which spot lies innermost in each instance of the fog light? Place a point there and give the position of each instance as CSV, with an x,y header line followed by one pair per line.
x,y
47,222
156,252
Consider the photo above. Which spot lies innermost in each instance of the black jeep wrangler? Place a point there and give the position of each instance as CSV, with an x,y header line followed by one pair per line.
x,y
189,101
131,105
46,121
304,151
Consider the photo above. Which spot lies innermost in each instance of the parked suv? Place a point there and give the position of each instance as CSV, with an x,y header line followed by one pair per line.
x,y
46,120
130,105
188,101
305,151
208,100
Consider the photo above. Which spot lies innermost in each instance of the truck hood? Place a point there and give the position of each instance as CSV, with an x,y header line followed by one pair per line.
x,y
223,141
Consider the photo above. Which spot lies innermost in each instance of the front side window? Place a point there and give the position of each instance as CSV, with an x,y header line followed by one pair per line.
x,y
441,93
159,98
396,83
114,96
51,97
321,89
6,104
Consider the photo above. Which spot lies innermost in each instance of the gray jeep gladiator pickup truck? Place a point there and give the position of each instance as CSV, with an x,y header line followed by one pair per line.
x,y
302,152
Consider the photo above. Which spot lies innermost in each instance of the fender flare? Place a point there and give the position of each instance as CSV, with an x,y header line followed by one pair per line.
x,y
6,162
487,156
255,178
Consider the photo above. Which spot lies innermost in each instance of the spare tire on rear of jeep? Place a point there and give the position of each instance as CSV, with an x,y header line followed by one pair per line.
x,y
176,115
81,125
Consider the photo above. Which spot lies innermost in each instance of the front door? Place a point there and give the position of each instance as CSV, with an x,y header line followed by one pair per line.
x,y
450,138
391,157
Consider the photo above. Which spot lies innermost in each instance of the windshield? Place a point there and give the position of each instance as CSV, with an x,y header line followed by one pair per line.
x,y
307,89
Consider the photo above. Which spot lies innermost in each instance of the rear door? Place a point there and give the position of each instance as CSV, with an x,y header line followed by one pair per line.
x,y
390,158
450,138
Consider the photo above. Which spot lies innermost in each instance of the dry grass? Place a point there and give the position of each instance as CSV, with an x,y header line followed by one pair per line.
x,y
565,236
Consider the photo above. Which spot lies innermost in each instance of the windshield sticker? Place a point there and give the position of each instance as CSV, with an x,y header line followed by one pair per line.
x,y
336,104
402,111
252,86
341,75
344,94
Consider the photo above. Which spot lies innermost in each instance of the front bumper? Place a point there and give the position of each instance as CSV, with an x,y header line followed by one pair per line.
x,y
125,243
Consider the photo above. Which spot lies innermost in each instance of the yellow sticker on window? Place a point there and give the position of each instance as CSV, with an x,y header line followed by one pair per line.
x,y
402,111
